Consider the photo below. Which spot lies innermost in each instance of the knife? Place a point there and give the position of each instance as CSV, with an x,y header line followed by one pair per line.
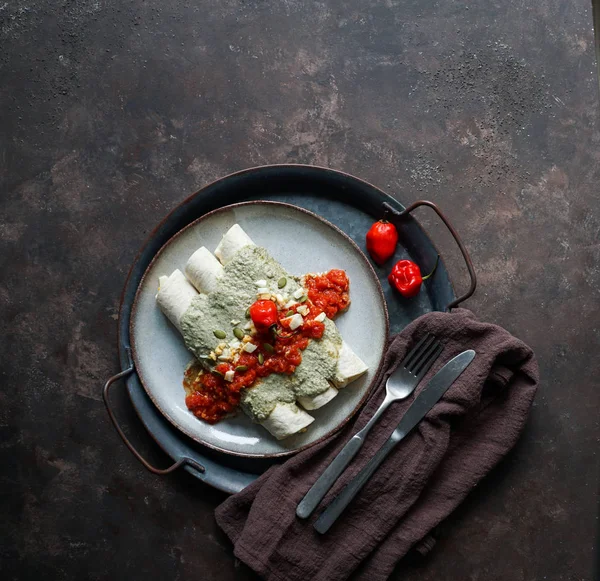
x,y
429,396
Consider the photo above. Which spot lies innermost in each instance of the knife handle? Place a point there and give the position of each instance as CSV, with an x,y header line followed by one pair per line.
x,y
344,498
320,488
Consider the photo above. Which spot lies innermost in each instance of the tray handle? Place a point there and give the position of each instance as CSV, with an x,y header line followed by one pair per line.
x,y
457,239
105,393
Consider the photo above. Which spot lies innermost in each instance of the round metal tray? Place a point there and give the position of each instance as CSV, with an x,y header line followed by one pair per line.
x,y
347,202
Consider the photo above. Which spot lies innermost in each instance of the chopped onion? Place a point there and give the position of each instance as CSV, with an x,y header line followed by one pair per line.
x,y
225,355
296,321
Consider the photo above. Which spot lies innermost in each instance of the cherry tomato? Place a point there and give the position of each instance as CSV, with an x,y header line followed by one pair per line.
x,y
263,313
406,277
382,239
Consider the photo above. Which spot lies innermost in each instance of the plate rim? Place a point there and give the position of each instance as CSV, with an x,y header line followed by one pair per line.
x,y
372,274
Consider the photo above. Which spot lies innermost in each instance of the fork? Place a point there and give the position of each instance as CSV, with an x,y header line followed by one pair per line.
x,y
400,384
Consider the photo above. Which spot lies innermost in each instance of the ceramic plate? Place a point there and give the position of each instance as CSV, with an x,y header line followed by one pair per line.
x,y
302,242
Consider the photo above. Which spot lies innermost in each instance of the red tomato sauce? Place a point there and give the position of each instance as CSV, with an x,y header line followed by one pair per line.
x,y
279,350
329,291
208,398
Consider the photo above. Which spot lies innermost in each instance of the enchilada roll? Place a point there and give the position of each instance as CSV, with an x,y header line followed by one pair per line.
x,y
203,270
310,380
235,239
271,403
286,419
317,401
175,295
349,366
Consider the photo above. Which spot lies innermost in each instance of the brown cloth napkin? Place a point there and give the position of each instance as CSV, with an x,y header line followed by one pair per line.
x,y
420,483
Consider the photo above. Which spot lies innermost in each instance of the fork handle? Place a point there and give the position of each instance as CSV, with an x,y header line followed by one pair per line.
x,y
362,434
320,488
342,500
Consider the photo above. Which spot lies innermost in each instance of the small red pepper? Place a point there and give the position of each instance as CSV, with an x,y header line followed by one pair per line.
x,y
406,277
263,314
382,238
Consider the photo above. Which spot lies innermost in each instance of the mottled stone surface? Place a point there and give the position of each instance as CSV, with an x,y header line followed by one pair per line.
x,y
113,112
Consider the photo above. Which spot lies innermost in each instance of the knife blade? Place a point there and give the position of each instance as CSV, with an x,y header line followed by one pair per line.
x,y
429,396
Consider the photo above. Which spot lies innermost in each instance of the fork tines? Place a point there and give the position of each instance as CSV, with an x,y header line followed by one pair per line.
x,y
419,359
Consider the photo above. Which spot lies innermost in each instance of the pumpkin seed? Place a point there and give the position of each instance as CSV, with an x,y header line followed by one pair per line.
x,y
289,313
238,333
220,334
281,282
303,299
247,314
241,368
268,347
222,376
261,358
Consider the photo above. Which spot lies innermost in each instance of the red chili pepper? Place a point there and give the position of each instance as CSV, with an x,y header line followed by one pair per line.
x,y
382,238
263,313
406,277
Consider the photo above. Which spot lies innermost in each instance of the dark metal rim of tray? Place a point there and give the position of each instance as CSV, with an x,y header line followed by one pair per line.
x,y
349,201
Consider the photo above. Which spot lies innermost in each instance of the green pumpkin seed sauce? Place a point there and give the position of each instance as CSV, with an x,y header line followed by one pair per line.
x,y
225,310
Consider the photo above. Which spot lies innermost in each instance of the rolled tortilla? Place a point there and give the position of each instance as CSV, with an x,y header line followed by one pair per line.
x,y
349,367
203,270
286,419
317,401
234,240
174,296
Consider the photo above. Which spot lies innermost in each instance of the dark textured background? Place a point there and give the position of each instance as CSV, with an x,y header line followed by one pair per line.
x,y
113,112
